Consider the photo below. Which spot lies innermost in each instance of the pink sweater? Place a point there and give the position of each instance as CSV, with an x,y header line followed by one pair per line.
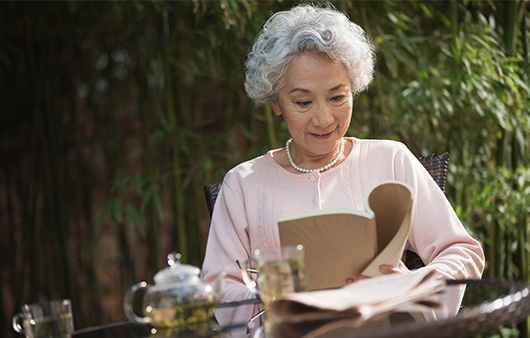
x,y
256,193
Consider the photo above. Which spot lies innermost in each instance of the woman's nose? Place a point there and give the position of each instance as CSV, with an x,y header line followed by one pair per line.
x,y
323,116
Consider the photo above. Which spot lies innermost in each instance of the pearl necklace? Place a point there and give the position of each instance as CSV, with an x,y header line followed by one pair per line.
x,y
326,167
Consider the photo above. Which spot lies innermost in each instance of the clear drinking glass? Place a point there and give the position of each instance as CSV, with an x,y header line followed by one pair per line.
x,y
280,271
49,319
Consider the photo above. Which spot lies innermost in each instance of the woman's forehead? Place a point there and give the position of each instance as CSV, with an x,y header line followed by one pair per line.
x,y
314,71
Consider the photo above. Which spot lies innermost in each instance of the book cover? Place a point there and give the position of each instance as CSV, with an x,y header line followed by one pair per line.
x,y
347,243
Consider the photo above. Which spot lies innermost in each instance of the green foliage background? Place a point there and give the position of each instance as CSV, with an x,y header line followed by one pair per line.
x,y
114,114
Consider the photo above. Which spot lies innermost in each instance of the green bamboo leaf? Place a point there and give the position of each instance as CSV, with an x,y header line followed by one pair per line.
x,y
133,214
156,138
158,206
137,183
426,11
146,196
116,209
116,183
470,49
99,223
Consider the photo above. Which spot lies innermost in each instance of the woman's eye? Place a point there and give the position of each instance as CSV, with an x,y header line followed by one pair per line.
x,y
337,98
303,103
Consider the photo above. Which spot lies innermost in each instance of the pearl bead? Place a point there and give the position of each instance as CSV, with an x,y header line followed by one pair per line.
x,y
326,167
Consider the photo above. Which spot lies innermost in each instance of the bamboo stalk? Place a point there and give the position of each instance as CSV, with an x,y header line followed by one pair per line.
x,y
454,18
179,239
153,221
510,27
524,238
269,123
496,259
525,36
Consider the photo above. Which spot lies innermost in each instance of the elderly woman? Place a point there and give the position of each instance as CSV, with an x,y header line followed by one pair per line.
x,y
309,64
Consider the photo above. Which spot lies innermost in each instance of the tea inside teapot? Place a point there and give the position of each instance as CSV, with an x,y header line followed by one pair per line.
x,y
178,299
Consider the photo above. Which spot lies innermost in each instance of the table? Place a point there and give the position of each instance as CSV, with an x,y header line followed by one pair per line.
x,y
488,305
132,330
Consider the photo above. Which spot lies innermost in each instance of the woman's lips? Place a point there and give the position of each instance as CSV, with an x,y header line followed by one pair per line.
x,y
322,136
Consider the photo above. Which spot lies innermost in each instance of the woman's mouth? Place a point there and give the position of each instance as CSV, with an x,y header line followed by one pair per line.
x,y
322,136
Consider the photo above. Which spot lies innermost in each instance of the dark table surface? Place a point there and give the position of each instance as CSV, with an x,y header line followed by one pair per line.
x,y
132,330
487,306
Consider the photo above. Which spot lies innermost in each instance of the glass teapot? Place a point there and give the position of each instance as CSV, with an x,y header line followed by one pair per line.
x,y
178,299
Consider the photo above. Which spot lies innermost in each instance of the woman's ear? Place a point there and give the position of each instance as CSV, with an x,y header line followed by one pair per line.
x,y
276,107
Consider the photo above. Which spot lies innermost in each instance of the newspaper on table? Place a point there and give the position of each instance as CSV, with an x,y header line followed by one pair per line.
x,y
362,300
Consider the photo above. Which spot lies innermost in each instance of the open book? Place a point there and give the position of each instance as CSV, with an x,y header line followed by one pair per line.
x,y
347,243
359,302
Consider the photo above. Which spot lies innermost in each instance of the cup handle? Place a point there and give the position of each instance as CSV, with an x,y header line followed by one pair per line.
x,y
16,323
127,304
251,285
260,332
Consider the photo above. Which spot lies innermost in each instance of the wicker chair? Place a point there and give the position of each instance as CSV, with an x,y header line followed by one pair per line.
x,y
436,165
210,193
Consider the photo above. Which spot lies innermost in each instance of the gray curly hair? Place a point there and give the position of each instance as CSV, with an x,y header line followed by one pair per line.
x,y
306,28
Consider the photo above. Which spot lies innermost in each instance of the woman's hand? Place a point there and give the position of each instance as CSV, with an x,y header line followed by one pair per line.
x,y
388,269
385,270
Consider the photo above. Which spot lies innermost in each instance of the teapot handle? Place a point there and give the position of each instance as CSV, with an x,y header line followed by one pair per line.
x,y
127,304
16,323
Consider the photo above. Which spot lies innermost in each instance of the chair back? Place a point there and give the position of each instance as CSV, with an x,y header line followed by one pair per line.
x,y
436,165
210,193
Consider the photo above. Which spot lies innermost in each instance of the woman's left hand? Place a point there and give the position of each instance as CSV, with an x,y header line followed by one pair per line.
x,y
385,270
388,269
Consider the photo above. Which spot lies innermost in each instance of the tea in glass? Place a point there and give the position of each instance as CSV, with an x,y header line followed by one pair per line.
x,y
280,271
52,319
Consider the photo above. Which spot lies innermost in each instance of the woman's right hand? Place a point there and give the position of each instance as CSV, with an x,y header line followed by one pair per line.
x,y
353,280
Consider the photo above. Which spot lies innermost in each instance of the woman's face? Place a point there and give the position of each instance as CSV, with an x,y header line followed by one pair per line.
x,y
316,103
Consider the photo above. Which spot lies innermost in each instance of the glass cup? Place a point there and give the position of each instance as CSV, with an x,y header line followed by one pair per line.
x,y
50,319
280,271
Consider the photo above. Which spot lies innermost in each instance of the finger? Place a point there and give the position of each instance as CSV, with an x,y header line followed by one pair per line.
x,y
388,269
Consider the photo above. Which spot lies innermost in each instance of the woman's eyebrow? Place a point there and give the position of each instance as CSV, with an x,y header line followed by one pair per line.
x,y
303,90
337,87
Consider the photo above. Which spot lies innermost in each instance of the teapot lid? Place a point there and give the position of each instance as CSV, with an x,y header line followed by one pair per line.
x,y
176,271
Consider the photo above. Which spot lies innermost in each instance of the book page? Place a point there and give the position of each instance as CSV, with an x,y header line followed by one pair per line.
x,y
393,206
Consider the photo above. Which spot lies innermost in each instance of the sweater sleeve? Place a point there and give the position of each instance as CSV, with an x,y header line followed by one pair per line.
x,y
228,241
437,235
